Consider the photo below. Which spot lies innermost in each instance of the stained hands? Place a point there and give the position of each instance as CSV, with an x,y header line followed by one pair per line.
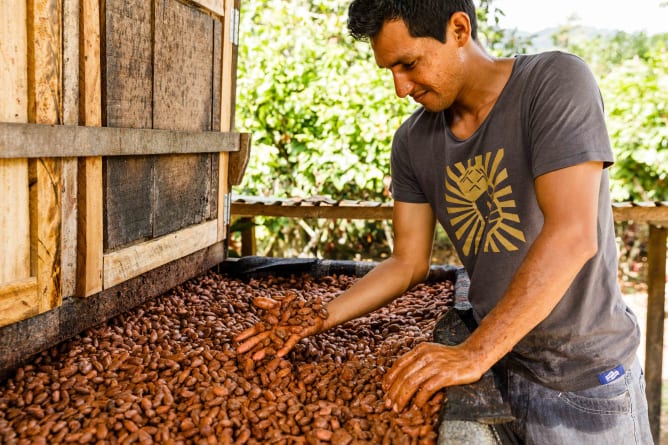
x,y
425,370
286,321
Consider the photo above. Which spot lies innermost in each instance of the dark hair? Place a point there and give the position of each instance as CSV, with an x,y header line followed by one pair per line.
x,y
424,18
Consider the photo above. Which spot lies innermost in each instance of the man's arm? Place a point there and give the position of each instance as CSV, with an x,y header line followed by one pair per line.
x,y
408,265
413,226
568,199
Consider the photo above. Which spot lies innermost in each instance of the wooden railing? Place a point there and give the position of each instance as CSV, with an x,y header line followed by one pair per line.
x,y
655,214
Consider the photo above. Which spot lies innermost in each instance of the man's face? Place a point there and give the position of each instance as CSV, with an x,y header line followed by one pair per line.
x,y
429,71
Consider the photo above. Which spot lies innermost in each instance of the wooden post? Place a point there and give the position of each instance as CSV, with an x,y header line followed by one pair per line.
x,y
89,239
44,95
227,104
656,298
69,165
14,212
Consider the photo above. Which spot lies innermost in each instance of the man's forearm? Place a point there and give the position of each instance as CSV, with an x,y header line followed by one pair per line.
x,y
383,284
539,284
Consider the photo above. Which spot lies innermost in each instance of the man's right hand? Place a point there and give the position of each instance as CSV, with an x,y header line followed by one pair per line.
x,y
279,333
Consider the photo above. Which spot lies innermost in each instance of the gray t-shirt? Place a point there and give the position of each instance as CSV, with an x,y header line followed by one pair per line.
x,y
548,116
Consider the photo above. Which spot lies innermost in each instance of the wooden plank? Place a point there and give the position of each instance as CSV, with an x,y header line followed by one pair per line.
x,y
18,301
128,83
641,214
183,100
239,161
258,206
36,141
14,210
128,64
44,61
45,216
229,61
214,6
44,105
183,192
128,209
217,75
89,187
133,261
182,67
301,211
89,227
656,298
227,104
70,104
19,342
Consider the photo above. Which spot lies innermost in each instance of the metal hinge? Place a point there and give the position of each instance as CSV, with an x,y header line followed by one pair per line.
x,y
234,26
228,209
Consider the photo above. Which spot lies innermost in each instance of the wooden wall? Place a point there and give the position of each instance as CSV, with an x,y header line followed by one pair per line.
x,y
84,210
162,71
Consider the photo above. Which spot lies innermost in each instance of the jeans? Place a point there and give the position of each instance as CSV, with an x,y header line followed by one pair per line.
x,y
610,414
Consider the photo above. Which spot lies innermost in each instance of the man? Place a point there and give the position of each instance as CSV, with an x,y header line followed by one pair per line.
x,y
510,156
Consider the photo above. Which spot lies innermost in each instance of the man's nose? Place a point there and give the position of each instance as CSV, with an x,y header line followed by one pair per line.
x,y
402,85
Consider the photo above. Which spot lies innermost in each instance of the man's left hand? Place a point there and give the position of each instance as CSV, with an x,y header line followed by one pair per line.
x,y
425,370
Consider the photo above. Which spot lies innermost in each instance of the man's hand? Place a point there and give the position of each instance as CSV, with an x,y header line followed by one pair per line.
x,y
291,335
286,320
425,370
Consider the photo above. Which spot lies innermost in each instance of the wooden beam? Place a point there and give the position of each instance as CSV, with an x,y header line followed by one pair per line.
x,y
646,213
14,210
319,211
18,300
89,186
70,114
37,141
229,58
292,208
656,298
44,98
133,261
212,6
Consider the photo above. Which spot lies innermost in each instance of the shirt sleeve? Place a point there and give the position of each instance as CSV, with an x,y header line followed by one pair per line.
x,y
404,186
566,117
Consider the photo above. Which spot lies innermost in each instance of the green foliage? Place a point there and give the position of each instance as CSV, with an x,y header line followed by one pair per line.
x,y
633,76
637,101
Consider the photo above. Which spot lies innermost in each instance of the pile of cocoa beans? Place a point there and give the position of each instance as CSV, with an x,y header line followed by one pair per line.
x,y
168,372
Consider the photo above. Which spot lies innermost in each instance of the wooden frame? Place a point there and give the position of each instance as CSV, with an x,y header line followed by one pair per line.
x,y
42,141
51,137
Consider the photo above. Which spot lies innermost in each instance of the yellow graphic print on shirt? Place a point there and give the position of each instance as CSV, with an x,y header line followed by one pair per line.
x,y
481,207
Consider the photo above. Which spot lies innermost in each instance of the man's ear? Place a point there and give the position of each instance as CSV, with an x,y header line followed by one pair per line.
x,y
459,28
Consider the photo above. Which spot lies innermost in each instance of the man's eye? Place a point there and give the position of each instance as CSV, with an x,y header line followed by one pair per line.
x,y
409,65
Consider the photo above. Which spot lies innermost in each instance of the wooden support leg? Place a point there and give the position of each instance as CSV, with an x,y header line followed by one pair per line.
x,y
656,293
248,247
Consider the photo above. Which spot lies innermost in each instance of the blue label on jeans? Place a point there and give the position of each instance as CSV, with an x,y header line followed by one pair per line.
x,y
611,375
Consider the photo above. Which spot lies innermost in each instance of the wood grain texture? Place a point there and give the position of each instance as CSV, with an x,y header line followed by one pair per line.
x,y
128,209
18,300
37,141
214,6
14,210
122,265
44,107
70,104
128,64
656,299
183,192
89,188
183,67
227,103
